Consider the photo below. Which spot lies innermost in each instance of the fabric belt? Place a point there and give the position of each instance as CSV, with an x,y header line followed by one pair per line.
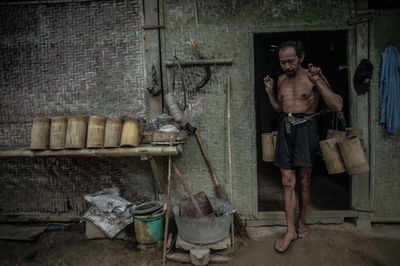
x,y
296,119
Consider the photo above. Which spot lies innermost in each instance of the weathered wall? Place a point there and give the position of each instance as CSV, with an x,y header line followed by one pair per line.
x,y
225,31
385,148
87,58
68,59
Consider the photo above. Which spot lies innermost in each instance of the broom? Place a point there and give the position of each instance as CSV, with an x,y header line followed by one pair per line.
x,y
240,229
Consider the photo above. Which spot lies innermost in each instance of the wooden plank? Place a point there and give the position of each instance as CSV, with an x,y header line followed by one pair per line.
x,y
360,116
276,215
112,152
158,175
385,219
152,57
322,220
200,62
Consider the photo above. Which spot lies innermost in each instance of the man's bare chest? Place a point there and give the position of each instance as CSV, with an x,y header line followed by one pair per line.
x,y
296,89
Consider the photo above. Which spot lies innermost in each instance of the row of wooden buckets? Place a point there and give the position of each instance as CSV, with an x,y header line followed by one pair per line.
x,y
78,132
342,151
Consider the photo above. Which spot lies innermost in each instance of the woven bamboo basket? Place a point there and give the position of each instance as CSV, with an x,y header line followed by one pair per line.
x,y
331,154
40,133
331,133
353,155
95,133
58,132
113,131
131,133
268,146
76,133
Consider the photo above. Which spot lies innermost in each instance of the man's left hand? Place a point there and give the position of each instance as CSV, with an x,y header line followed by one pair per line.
x,y
314,73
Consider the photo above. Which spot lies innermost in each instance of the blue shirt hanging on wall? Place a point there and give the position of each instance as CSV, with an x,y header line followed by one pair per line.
x,y
390,89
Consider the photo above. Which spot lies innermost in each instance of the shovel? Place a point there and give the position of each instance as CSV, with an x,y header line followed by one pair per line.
x,y
196,206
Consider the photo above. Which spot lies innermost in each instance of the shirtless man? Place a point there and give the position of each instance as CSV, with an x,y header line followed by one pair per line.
x,y
298,93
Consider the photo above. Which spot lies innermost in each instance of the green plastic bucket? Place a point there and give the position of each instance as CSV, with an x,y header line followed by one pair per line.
x,y
149,228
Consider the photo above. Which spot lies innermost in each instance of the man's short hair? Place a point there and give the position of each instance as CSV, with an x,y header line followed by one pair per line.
x,y
297,45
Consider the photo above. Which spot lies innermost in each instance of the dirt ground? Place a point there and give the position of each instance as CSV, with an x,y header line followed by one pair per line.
x,y
327,245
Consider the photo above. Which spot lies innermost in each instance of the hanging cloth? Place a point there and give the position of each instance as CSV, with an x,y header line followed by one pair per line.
x,y
390,89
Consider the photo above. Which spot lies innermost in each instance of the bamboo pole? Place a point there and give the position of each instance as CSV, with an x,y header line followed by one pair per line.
x,y
168,208
230,154
112,152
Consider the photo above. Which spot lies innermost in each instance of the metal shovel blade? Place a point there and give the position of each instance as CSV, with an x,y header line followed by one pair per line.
x,y
188,210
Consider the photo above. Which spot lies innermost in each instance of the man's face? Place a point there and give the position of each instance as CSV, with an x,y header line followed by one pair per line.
x,y
289,60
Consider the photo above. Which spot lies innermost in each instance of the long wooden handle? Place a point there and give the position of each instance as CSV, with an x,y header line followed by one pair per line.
x,y
168,207
203,151
230,154
179,175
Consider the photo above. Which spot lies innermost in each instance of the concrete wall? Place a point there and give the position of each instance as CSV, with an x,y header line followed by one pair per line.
x,y
224,29
385,148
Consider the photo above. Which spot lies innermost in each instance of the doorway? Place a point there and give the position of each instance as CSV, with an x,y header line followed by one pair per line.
x,y
328,50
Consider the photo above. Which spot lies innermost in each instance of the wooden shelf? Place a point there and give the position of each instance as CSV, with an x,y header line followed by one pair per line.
x,y
154,150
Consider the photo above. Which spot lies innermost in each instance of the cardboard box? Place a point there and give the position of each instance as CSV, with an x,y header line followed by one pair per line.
x,y
92,231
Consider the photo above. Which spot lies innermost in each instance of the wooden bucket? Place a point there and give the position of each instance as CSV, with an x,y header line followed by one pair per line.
x,y
147,137
353,131
58,132
40,133
76,133
333,160
95,133
131,132
331,134
112,135
353,155
268,146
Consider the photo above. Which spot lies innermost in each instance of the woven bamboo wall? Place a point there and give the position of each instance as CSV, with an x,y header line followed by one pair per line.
x,y
58,185
83,58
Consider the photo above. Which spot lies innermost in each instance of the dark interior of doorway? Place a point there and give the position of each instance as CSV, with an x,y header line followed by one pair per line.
x,y
326,49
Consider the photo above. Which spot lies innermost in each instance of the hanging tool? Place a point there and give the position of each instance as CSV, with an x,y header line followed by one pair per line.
x,y
154,89
173,107
207,68
183,83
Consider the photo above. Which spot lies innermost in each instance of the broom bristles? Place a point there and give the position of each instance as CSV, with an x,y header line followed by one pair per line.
x,y
240,229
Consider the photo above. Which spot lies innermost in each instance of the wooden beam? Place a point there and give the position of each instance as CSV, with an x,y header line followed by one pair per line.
x,y
152,27
201,62
39,217
310,214
42,2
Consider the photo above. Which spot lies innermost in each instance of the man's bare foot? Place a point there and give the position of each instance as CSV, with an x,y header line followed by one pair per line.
x,y
303,230
283,244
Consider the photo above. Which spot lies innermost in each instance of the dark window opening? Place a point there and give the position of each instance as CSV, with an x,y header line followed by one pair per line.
x,y
383,4
326,49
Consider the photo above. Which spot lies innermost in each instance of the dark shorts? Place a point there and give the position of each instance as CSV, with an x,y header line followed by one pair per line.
x,y
298,148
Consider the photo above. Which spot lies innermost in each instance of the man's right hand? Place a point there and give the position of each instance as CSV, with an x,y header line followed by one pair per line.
x,y
269,84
